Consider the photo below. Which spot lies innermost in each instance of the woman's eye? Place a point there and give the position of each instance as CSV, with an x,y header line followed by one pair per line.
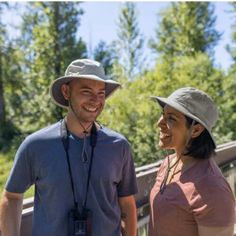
x,y
170,118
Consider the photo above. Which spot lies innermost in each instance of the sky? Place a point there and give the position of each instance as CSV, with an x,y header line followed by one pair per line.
x,y
99,22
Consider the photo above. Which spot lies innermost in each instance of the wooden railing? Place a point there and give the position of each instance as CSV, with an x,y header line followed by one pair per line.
x,y
225,155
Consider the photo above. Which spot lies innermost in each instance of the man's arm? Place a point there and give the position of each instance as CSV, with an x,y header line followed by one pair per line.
x,y
10,213
128,215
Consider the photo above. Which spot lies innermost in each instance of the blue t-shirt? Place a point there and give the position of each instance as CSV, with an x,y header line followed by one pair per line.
x,y
41,160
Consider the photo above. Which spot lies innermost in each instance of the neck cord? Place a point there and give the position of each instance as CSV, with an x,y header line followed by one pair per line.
x,y
65,141
85,130
164,182
169,167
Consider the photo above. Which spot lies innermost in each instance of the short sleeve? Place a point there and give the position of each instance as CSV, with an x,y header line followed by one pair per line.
x,y
213,203
21,176
128,183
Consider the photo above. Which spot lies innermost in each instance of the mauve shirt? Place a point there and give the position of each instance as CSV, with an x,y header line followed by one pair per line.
x,y
198,196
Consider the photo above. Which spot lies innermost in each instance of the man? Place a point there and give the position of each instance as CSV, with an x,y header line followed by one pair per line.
x,y
83,172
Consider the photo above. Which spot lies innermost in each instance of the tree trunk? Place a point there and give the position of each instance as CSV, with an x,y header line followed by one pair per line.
x,y
2,103
57,52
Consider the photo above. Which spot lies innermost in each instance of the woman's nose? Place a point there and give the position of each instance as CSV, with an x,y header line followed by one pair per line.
x,y
160,122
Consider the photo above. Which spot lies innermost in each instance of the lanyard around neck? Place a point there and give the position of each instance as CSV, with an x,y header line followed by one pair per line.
x,y
66,144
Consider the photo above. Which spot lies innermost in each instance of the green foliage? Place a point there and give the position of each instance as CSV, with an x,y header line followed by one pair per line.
x,y
130,42
132,112
5,166
2,45
6,161
49,43
229,87
127,111
232,47
184,37
186,28
51,29
105,54
11,86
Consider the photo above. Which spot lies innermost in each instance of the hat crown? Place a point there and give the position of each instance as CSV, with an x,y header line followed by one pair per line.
x,y
198,104
86,67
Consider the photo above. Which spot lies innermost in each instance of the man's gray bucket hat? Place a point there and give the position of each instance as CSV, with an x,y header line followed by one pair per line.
x,y
193,103
81,69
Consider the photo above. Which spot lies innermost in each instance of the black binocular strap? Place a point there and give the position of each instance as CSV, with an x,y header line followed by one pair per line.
x,y
66,143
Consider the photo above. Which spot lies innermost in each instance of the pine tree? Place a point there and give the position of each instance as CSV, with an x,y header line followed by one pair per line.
x,y
10,84
50,41
232,48
105,55
186,28
2,40
130,42
229,102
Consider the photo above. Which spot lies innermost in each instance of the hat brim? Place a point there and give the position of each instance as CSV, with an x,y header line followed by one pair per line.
x,y
58,98
165,101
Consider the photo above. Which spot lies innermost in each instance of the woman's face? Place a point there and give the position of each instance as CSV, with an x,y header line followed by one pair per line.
x,y
174,133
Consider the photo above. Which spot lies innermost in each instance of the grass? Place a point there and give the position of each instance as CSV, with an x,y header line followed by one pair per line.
x,y
5,167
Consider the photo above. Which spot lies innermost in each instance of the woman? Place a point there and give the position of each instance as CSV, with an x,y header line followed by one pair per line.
x,y
190,197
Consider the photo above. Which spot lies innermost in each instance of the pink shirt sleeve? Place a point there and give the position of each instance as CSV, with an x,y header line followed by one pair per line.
x,y
213,202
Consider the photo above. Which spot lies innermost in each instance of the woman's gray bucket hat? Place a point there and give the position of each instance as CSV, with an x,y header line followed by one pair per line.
x,y
81,69
193,103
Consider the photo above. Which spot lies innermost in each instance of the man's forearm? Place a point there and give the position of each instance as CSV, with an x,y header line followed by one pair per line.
x,y
10,214
129,223
128,216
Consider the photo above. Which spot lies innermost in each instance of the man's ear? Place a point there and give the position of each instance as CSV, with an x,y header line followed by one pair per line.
x,y
65,91
197,130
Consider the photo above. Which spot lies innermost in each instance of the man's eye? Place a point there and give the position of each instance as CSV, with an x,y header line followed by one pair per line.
x,y
86,92
101,94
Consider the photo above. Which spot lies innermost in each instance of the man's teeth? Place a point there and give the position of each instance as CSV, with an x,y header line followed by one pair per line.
x,y
90,109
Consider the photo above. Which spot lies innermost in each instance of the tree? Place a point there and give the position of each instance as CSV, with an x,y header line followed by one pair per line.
x,y
10,84
2,46
50,41
130,42
186,28
131,112
229,102
232,48
105,54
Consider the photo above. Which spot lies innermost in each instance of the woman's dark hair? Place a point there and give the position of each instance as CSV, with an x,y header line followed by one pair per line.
x,y
201,147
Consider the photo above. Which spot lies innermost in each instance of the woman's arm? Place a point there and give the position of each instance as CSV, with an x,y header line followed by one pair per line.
x,y
215,231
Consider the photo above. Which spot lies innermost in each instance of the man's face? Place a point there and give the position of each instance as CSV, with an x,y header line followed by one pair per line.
x,y
86,98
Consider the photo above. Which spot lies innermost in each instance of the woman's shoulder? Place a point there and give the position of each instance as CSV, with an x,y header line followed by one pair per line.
x,y
211,181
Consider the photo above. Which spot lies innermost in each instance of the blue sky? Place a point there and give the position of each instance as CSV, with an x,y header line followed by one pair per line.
x,y
99,22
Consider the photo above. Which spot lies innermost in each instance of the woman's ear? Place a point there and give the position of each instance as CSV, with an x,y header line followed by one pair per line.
x,y
65,91
197,130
